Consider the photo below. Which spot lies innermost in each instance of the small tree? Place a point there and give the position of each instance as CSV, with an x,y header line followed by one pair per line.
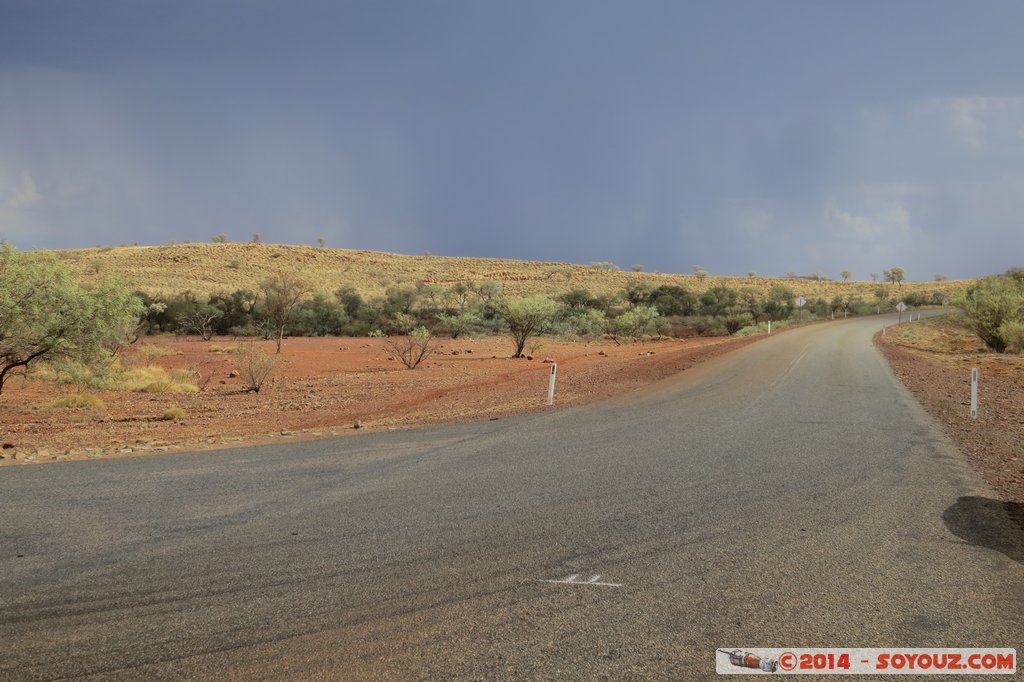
x,y
255,366
44,313
413,348
881,295
846,275
219,238
200,320
896,275
700,273
488,291
526,317
939,277
637,267
280,294
874,276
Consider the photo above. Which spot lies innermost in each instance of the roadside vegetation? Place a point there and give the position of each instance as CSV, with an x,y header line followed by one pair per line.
x,y
935,358
46,315
286,305
993,308
77,328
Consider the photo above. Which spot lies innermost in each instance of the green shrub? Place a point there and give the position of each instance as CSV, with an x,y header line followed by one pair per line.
x,y
1012,334
990,303
709,326
734,323
97,376
45,315
586,324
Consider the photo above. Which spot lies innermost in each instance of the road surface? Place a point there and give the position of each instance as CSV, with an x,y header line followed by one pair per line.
x,y
791,494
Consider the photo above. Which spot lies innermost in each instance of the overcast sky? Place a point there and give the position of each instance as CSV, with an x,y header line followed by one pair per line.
x,y
767,136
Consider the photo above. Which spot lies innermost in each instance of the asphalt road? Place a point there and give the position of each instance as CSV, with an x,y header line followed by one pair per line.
x,y
790,494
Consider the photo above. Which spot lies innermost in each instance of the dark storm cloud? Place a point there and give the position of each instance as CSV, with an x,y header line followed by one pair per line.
x,y
738,135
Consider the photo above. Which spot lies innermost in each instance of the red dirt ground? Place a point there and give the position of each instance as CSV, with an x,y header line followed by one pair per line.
x,y
935,364
324,386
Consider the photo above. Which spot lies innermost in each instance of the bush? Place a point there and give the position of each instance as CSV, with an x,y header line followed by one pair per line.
x,y
458,325
173,414
150,351
255,366
717,299
709,326
734,323
990,303
169,387
585,324
634,323
97,376
1012,334
320,316
156,380
413,348
78,401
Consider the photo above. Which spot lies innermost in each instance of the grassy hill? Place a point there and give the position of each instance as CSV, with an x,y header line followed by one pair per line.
x,y
206,268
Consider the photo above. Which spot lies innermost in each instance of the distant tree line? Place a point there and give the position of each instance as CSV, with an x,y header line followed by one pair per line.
x,y
284,306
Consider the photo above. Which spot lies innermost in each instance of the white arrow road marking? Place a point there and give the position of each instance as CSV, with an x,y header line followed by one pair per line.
x,y
574,580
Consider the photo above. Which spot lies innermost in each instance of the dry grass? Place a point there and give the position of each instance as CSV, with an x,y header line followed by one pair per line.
x,y
937,335
78,401
153,379
151,351
211,268
172,414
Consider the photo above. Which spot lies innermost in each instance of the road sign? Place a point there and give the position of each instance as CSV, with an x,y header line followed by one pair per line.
x,y
801,301
901,306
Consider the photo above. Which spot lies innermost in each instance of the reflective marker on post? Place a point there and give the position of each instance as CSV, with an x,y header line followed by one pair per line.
x,y
551,384
974,393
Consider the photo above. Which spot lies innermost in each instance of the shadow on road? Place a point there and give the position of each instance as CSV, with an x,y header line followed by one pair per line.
x,y
988,523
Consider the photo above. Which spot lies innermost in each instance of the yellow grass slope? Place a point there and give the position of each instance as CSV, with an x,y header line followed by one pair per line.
x,y
224,267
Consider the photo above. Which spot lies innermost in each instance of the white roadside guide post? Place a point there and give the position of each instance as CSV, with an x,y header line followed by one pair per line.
x,y
974,393
551,383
